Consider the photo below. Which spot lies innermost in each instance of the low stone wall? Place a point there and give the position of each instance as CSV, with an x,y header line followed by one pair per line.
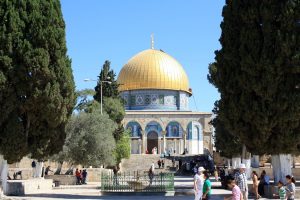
x,y
30,186
269,171
94,174
62,179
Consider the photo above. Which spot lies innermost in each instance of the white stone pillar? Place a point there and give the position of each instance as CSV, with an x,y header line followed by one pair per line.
x,y
140,146
164,141
184,140
143,142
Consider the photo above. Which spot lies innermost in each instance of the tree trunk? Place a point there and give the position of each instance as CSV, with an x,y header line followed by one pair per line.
x,y
247,161
281,164
228,163
39,169
70,170
236,161
255,161
58,170
3,174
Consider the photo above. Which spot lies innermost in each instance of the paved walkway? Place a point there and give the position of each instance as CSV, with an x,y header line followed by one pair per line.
x,y
183,188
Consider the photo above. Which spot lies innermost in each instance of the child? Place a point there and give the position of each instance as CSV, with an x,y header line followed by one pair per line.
x,y
236,192
281,191
290,187
206,187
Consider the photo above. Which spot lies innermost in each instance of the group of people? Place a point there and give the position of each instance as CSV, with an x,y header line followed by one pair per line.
x,y
239,185
161,164
202,185
81,176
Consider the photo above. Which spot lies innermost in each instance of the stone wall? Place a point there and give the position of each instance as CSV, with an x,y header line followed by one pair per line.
x,y
23,187
94,174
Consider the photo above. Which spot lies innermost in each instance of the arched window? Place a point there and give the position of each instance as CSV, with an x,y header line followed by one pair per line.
x,y
189,131
134,128
194,131
153,126
174,129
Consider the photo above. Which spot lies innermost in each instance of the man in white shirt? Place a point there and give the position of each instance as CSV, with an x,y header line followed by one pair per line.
x,y
198,183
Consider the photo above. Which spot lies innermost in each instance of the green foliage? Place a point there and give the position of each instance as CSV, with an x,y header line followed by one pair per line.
x,y
228,144
257,72
114,108
90,140
36,81
123,147
109,89
85,103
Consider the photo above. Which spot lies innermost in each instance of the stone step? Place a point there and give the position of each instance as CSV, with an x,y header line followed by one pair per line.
x,y
142,163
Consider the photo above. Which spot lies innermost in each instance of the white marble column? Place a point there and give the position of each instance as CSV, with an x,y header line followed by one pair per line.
x,y
184,140
163,133
144,142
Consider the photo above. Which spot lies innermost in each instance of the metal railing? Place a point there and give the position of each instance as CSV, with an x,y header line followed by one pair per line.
x,y
137,182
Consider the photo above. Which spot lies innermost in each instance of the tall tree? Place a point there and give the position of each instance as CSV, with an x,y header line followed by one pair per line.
x,y
113,103
108,89
257,72
36,81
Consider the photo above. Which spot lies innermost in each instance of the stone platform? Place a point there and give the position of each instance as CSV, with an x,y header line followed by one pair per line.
x,y
30,186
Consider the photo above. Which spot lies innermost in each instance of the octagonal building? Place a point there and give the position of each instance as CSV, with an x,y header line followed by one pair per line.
x,y
156,91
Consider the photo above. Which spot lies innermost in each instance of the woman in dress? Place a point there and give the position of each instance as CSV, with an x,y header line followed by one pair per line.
x,y
255,184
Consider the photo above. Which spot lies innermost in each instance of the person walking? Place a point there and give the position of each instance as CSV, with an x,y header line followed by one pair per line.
x,y
77,174
255,184
198,183
84,175
163,164
159,164
115,171
47,170
264,180
216,174
33,165
281,191
151,174
241,181
236,192
290,187
206,187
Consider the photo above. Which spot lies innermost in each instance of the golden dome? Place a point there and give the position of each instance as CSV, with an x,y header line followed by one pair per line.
x,y
153,69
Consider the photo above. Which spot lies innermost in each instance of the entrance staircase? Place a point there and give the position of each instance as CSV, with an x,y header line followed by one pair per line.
x,y
142,163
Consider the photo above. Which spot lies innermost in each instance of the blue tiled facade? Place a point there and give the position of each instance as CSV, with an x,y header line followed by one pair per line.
x,y
156,100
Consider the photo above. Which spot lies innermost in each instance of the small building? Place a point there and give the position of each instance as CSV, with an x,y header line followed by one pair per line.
x,y
156,91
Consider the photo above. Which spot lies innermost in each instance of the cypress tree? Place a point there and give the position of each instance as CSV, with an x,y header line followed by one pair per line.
x,y
36,81
257,72
108,89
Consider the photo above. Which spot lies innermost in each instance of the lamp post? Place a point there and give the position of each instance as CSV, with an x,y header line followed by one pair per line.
x,y
101,93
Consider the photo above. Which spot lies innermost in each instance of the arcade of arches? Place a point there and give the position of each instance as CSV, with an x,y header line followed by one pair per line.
x,y
174,132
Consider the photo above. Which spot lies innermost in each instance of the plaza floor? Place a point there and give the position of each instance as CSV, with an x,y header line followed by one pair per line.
x,y
183,187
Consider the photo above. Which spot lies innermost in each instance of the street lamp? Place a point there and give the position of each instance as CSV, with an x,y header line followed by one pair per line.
x,y
101,93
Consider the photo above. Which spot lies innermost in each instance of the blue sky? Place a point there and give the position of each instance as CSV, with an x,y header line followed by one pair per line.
x,y
115,30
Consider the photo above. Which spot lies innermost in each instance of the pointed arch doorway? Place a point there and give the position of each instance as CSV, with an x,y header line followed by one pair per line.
x,y
152,141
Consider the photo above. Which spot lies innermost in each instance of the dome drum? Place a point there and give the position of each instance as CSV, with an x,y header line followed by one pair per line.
x,y
155,100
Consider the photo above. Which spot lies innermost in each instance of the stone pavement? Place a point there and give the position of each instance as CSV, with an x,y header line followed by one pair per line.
x,y
183,188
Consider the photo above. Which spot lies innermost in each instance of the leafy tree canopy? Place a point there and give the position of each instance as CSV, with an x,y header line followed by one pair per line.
x,y
90,141
36,81
123,147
